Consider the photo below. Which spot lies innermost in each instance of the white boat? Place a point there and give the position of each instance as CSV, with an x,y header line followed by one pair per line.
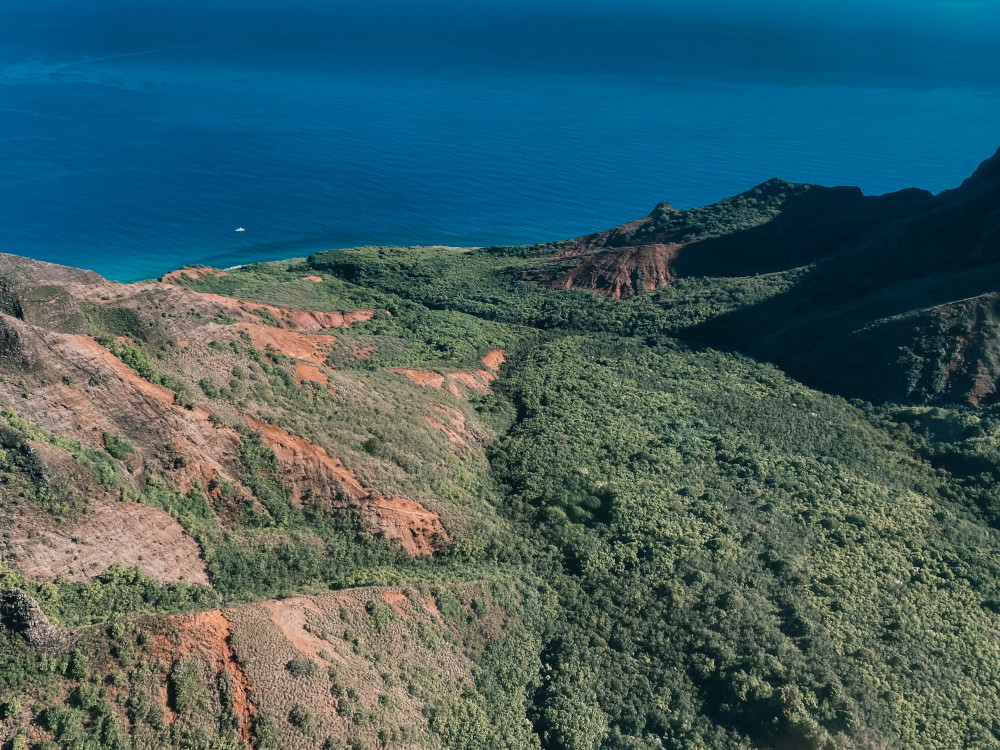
x,y
240,229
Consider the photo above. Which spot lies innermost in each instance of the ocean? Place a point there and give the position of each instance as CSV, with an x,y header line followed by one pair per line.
x,y
133,142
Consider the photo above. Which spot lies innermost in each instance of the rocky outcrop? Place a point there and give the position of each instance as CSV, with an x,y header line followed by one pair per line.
x,y
620,261
774,226
620,236
21,614
14,353
622,271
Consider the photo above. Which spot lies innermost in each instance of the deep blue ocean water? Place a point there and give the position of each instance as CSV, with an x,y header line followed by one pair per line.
x,y
134,142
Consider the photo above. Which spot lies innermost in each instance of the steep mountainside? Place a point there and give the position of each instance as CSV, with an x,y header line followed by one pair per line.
x,y
428,498
887,279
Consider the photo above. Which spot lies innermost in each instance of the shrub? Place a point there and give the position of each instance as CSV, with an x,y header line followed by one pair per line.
x,y
115,446
267,317
12,709
381,615
78,667
267,728
188,689
303,720
208,387
301,666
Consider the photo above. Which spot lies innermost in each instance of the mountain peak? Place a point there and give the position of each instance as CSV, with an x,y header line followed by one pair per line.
x,y
987,174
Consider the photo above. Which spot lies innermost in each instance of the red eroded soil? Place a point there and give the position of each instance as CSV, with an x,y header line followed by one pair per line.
x,y
163,698
205,636
476,380
452,435
616,271
614,237
305,372
244,310
311,320
398,601
312,347
617,262
431,605
417,529
970,374
316,477
983,384
95,351
315,279
119,401
493,359
422,377
306,463
292,618
455,429
200,473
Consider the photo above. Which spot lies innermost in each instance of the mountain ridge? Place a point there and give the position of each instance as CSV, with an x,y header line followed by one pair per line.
x,y
851,245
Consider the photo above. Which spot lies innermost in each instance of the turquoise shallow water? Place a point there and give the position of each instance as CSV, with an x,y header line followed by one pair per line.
x,y
133,153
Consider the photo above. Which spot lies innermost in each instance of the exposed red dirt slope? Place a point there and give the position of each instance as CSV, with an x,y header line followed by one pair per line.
x,y
312,320
614,264
494,359
304,320
456,432
305,372
476,380
146,414
268,637
292,618
618,272
205,636
312,347
243,310
130,406
315,477
473,380
69,384
426,378
970,375
614,237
